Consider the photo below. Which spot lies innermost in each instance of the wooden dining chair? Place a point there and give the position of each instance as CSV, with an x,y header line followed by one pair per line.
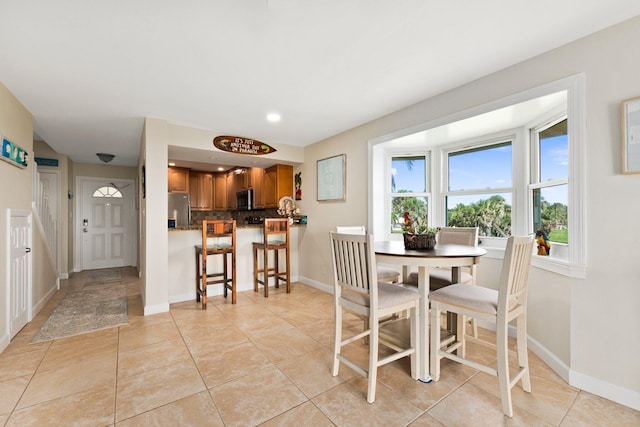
x,y
385,274
441,276
275,238
219,238
356,289
499,307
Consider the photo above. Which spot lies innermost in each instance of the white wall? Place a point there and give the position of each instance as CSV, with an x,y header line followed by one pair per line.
x,y
588,325
16,124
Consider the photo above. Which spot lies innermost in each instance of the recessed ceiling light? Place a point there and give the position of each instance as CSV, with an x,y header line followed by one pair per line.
x,y
273,117
220,168
171,164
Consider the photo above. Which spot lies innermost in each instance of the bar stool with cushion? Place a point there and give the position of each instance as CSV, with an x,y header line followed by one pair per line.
x,y
357,290
219,237
385,274
275,238
496,306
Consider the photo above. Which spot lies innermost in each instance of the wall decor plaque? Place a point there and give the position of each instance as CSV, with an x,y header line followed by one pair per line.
x,y
241,145
14,154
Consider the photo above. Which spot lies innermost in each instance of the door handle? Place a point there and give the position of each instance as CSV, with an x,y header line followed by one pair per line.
x,y
27,250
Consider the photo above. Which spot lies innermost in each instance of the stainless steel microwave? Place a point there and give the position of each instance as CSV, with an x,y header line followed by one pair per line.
x,y
244,200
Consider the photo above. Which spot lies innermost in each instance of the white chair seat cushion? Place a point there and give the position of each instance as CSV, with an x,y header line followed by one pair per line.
x,y
439,278
388,295
388,274
472,297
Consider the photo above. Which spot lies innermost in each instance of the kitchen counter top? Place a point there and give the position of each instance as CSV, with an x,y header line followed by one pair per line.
x,y
199,227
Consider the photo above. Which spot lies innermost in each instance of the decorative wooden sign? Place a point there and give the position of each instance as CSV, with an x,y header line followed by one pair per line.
x,y
240,145
14,154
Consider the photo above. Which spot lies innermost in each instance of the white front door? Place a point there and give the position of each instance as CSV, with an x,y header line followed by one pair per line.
x,y
107,223
19,270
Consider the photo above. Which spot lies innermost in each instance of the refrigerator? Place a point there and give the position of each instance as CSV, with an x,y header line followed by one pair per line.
x,y
179,210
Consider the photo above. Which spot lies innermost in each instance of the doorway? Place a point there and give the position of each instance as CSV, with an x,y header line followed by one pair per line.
x,y
19,270
105,223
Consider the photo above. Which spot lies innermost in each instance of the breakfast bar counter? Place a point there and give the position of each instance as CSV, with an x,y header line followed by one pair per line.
x,y
181,251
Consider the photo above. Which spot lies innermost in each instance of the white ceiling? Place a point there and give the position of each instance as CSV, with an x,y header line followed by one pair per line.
x,y
90,71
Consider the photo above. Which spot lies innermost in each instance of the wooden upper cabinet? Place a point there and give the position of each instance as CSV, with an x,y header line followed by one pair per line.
x,y
257,177
219,191
201,190
178,180
231,190
277,183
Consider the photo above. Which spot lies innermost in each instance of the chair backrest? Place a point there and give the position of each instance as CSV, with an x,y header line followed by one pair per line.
x,y
353,257
276,231
350,229
467,236
219,233
514,277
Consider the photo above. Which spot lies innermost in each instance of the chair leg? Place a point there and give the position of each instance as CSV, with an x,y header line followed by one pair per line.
x,y
288,264
225,274
434,358
265,272
276,267
233,278
374,327
337,342
523,357
503,366
255,269
415,357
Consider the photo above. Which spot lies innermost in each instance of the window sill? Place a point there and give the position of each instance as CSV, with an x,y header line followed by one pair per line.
x,y
549,263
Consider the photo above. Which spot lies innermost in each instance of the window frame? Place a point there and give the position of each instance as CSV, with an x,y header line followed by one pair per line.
x,y
574,86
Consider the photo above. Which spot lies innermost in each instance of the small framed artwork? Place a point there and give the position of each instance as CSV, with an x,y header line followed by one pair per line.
x,y
630,113
332,178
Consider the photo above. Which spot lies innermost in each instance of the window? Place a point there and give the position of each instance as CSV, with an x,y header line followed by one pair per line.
x,y
108,191
409,195
549,180
480,189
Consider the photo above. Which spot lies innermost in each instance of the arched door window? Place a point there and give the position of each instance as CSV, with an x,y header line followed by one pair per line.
x,y
107,191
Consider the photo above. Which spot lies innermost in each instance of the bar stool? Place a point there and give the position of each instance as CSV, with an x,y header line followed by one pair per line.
x,y
275,238
219,237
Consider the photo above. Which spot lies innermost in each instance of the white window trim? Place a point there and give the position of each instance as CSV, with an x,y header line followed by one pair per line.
x,y
575,266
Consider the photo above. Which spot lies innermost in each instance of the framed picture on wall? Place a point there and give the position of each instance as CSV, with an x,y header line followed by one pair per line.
x,y
630,112
332,178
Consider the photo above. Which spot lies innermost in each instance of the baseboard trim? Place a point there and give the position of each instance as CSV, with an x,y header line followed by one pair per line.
x,y
315,284
156,309
613,392
40,305
4,342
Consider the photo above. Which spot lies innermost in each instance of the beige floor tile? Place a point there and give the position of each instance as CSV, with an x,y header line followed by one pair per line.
x,y
93,407
3,419
80,347
21,343
139,320
143,359
397,376
195,410
473,407
265,325
255,398
304,415
312,372
10,392
347,404
547,400
281,346
213,339
227,364
20,364
98,370
134,337
151,389
426,420
597,411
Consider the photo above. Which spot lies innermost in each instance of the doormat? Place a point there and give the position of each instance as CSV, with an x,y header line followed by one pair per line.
x,y
90,309
107,275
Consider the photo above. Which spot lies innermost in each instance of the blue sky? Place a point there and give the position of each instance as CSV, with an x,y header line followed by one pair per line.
x,y
491,169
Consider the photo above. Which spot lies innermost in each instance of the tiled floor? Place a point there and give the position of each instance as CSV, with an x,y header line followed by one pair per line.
x,y
260,362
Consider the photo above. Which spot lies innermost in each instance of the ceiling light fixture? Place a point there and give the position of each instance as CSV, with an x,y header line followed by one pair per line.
x,y
273,117
105,157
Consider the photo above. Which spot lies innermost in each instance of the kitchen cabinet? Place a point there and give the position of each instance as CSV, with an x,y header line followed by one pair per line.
x,y
231,189
219,192
277,183
257,177
178,180
201,191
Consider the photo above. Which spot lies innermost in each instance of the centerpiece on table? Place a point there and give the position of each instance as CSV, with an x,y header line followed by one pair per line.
x,y
417,234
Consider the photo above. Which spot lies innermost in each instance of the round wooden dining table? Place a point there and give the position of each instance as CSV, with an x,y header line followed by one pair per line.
x,y
453,256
